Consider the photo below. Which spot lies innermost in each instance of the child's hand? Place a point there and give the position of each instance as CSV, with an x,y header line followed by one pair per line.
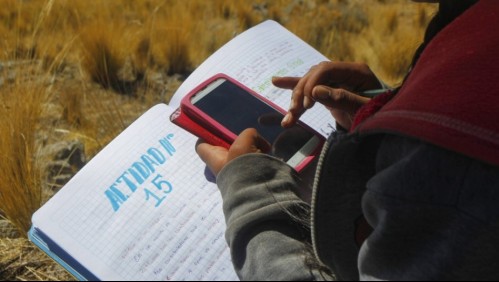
x,y
216,158
333,84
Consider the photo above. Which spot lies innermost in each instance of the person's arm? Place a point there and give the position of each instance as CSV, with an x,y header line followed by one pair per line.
x,y
434,213
267,223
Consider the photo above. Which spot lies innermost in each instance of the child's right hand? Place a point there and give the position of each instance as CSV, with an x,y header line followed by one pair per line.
x,y
333,84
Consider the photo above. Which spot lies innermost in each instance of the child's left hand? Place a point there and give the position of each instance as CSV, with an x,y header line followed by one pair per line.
x,y
216,158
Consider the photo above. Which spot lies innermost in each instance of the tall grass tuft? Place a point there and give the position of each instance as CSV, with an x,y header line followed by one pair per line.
x,y
20,173
102,55
170,37
72,104
177,52
396,49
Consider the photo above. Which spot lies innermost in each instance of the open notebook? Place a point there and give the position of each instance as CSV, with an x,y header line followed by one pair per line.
x,y
142,208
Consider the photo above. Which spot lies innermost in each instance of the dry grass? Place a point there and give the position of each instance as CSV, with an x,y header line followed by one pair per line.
x,y
20,260
102,54
71,102
63,61
20,173
102,121
390,52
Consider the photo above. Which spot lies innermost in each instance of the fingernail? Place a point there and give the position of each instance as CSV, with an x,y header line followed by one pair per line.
x,y
308,103
321,93
286,119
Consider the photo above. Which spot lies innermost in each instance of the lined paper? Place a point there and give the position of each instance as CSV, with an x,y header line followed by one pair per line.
x,y
171,227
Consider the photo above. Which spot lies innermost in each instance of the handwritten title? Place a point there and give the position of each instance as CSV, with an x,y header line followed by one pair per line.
x,y
142,174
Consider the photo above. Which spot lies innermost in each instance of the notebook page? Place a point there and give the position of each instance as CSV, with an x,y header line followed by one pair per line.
x,y
257,55
142,209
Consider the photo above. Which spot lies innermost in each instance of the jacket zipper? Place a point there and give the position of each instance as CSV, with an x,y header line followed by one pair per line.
x,y
317,177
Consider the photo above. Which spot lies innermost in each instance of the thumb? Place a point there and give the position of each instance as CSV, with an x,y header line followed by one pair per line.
x,y
338,99
249,141
214,157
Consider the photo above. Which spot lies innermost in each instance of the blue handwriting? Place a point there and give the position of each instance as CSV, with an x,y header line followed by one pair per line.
x,y
143,172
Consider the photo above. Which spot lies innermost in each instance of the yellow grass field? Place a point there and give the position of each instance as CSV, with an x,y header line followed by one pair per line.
x,y
81,71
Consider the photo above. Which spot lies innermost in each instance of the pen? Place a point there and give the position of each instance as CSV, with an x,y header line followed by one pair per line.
x,y
373,93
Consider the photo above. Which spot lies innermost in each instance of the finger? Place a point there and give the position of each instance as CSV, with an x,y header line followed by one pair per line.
x,y
338,99
296,84
316,76
289,120
292,117
249,141
285,82
252,141
214,157
297,107
262,144
301,97
308,102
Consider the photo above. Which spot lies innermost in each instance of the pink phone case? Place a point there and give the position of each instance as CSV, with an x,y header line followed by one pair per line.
x,y
181,119
220,132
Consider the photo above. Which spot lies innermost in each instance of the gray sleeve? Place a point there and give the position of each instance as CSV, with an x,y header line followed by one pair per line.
x,y
267,223
434,213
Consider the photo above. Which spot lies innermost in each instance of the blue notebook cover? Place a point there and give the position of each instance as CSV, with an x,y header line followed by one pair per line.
x,y
60,256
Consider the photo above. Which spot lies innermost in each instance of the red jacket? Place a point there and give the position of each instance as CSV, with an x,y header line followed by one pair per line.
x,y
451,97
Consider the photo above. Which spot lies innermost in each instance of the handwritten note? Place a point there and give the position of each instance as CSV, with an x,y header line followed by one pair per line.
x,y
280,53
142,209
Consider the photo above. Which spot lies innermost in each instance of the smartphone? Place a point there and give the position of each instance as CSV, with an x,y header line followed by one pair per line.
x,y
226,107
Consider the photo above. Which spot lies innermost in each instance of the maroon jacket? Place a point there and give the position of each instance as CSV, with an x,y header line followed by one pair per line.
x,y
451,97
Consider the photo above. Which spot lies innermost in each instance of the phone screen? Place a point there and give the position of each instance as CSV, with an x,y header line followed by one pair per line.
x,y
236,109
